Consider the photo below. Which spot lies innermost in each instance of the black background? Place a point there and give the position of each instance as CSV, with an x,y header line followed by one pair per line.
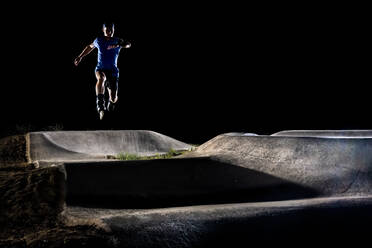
x,y
194,71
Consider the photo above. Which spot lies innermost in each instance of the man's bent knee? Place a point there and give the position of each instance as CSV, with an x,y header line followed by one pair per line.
x,y
100,76
114,98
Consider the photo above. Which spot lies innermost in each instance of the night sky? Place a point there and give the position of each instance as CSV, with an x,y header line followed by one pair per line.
x,y
193,71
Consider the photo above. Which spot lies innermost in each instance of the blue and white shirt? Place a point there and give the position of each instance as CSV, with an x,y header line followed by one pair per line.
x,y
107,58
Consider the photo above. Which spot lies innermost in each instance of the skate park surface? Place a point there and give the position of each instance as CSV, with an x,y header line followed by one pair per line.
x,y
235,187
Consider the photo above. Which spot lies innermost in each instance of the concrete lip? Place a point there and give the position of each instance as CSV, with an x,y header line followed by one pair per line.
x,y
326,133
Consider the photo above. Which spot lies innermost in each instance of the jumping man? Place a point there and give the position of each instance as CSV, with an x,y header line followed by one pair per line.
x,y
107,72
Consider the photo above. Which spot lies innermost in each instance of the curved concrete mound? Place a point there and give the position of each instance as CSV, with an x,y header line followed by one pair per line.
x,y
326,133
93,145
329,166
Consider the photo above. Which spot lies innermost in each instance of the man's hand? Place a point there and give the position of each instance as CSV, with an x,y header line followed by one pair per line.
x,y
128,45
125,44
77,61
85,52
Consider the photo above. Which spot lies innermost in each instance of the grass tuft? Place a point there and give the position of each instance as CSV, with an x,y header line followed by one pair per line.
x,y
128,156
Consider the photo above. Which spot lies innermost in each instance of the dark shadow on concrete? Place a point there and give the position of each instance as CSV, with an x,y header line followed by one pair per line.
x,y
335,225
332,224
172,182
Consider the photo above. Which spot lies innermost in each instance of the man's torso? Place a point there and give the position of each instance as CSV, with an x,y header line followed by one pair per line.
x,y
107,58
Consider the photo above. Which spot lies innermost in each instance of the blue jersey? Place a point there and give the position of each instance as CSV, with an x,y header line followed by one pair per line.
x,y
107,58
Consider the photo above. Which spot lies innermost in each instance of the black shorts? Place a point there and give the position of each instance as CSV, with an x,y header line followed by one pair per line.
x,y
112,81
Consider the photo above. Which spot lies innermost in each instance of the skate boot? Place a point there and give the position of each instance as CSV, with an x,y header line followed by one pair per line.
x,y
101,114
110,106
100,105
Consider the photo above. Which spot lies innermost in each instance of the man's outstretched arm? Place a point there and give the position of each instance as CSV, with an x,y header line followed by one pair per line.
x,y
122,43
85,52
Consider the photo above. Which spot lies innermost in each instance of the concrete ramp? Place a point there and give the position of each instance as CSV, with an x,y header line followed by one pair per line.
x,y
330,166
93,145
326,133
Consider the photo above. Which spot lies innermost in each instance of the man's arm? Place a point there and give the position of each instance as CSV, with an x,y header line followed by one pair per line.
x,y
122,43
85,52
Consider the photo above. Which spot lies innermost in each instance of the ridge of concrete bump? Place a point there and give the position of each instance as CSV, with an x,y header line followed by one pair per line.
x,y
326,133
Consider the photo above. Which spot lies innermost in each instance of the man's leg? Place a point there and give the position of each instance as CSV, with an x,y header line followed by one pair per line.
x,y
112,88
113,99
100,91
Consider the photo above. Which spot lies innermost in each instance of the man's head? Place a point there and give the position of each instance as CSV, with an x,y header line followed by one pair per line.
x,y
108,29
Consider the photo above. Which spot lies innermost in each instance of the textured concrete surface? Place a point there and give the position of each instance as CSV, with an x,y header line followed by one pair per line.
x,y
92,145
332,166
